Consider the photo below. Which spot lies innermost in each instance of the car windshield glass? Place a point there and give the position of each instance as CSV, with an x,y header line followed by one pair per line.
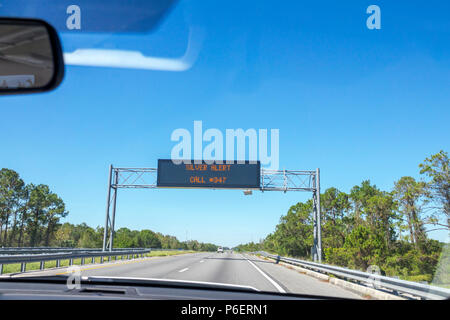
x,y
234,142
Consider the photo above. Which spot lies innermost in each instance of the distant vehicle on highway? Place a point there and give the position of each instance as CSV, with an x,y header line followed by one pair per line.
x,y
219,250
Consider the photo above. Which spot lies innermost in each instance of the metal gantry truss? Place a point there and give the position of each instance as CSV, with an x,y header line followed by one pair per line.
x,y
271,180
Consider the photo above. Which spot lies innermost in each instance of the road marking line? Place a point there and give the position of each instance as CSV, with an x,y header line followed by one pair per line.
x,y
116,263
276,285
202,261
183,270
108,264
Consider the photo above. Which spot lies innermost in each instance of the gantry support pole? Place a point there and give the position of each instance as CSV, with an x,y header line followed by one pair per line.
x,y
108,201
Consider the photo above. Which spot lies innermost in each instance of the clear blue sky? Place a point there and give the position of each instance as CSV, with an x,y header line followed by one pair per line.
x,y
357,103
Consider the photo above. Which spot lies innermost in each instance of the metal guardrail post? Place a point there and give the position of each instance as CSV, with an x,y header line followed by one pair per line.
x,y
70,262
101,259
1,268
42,265
58,263
82,261
23,267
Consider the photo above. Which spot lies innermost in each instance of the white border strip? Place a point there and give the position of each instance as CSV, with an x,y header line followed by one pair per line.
x,y
276,285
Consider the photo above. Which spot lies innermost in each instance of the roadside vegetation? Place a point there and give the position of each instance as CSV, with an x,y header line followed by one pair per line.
x,y
30,216
83,236
369,226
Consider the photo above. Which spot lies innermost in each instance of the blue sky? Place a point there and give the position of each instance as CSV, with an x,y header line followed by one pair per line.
x,y
357,103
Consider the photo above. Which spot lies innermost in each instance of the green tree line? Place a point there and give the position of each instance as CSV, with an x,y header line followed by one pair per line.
x,y
370,226
30,216
83,236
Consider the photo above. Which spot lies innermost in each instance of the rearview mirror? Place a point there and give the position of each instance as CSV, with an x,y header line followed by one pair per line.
x,y
31,58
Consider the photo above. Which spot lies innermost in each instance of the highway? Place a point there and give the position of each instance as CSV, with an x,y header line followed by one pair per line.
x,y
227,267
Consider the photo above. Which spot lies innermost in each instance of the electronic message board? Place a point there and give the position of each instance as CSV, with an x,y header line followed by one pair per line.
x,y
202,175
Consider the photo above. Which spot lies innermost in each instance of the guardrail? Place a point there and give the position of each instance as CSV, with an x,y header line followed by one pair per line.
x,y
34,250
23,259
375,281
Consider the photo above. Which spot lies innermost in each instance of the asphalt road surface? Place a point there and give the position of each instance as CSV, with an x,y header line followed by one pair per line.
x,y
227,267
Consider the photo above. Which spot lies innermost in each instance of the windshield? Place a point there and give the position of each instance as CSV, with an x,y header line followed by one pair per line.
x,y
176,118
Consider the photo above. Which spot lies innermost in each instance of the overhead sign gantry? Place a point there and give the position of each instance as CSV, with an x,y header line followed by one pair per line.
x,y
244,175
213,175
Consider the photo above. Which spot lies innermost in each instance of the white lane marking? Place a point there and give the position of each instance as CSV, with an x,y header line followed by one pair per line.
x,y
202,261
276,285
183,270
